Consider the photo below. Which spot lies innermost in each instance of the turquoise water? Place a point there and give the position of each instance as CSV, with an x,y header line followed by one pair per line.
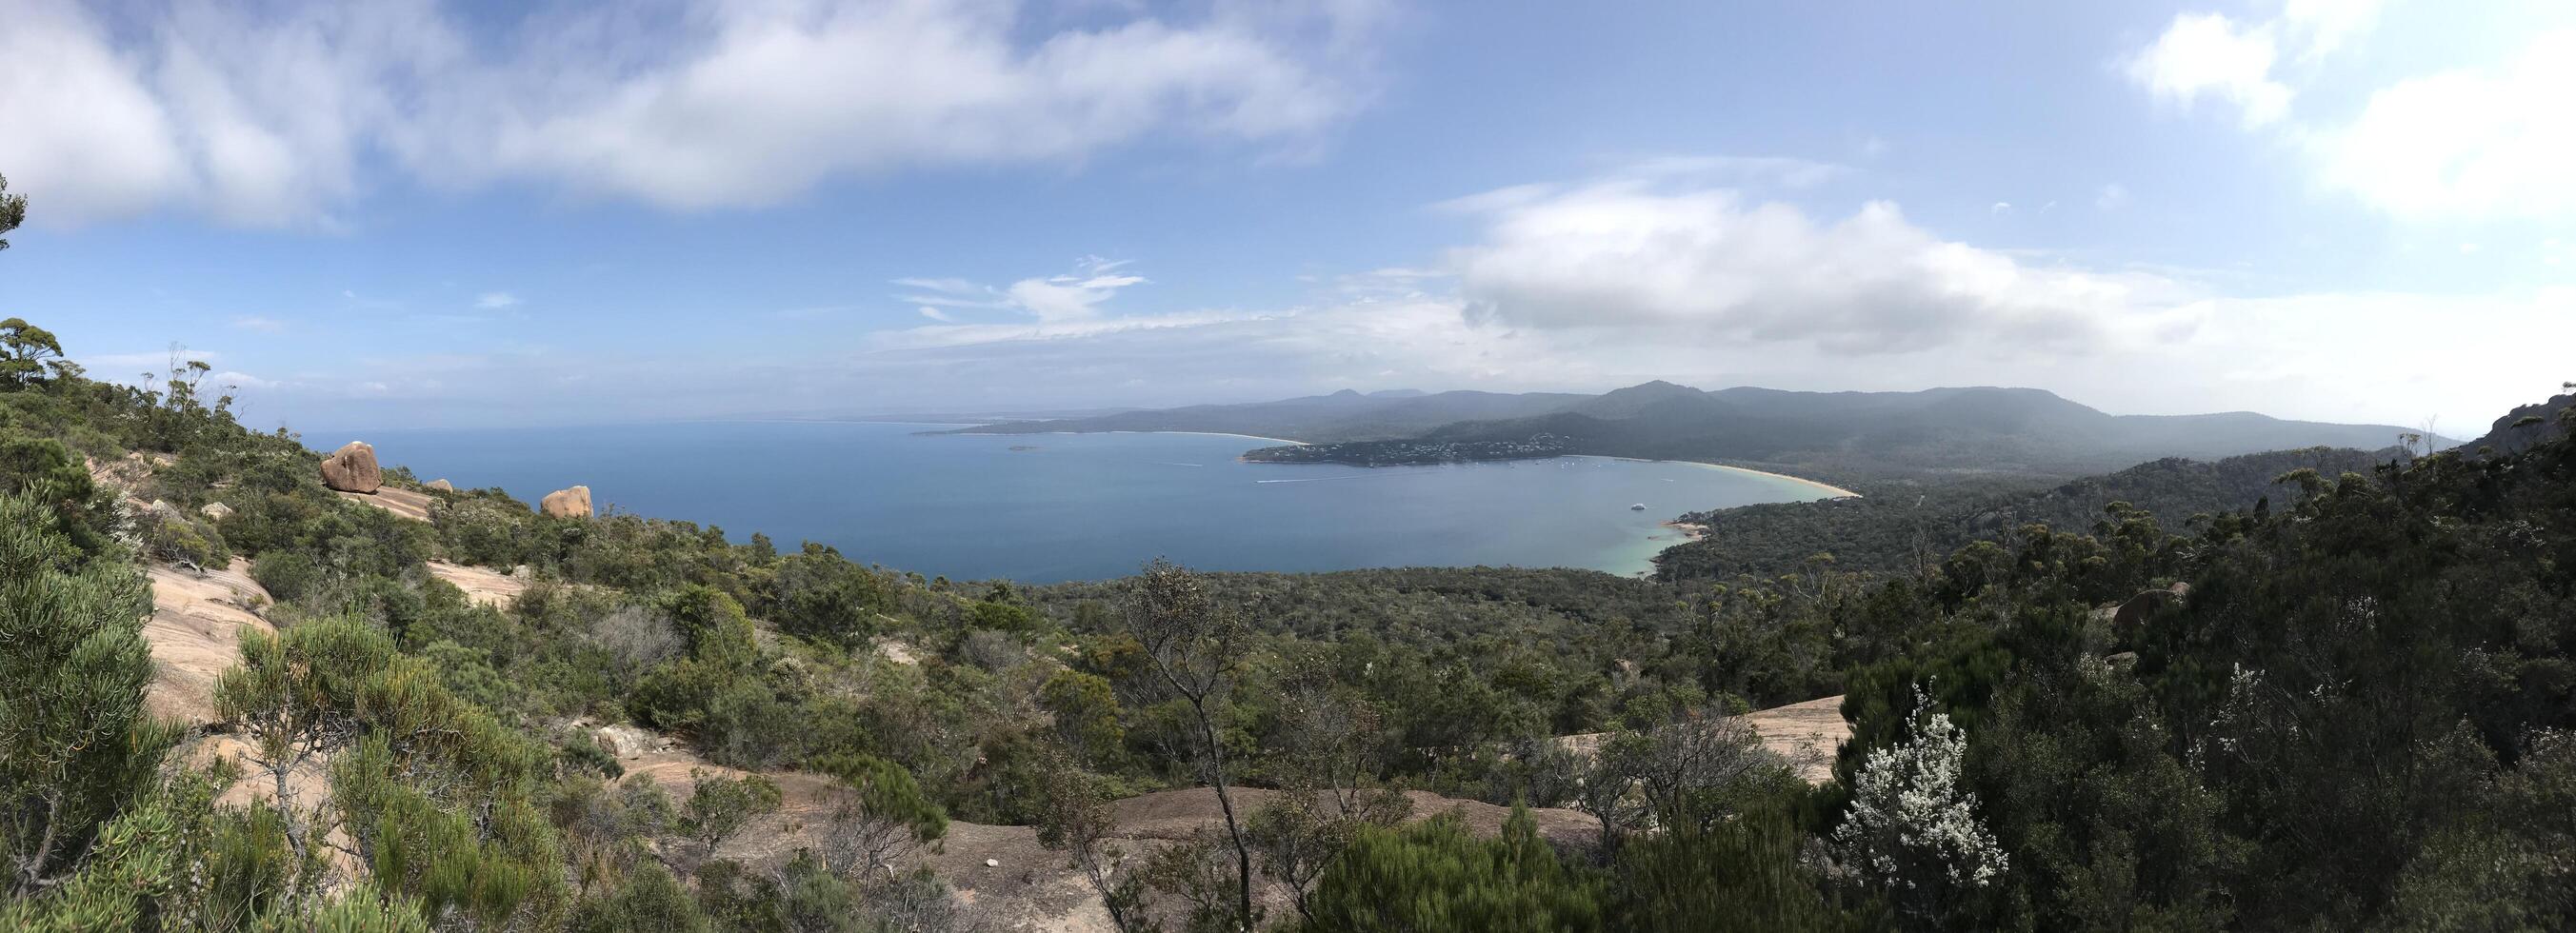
x,y
1051,507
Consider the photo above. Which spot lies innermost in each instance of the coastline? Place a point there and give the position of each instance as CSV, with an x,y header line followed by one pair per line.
x,y
1831,491
1836,491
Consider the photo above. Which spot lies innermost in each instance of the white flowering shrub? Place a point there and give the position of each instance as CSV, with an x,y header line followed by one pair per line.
x,y
1912,829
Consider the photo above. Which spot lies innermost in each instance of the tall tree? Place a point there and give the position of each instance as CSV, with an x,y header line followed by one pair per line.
x,y
1191,652
13,210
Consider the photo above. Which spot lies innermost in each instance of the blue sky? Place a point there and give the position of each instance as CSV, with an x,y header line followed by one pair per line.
x,y
458,214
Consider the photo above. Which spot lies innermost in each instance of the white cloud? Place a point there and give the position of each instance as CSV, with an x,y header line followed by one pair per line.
x,y
2000,207
1708,263
2112,197
2467,143
2208,54
490,301
1057,298
269,114
2320,27
2472,142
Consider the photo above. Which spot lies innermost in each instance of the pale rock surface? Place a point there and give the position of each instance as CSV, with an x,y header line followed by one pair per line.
x,y
353,468
567,503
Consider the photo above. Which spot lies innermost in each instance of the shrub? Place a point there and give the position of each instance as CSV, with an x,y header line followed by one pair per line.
x,y
287,575
1433,875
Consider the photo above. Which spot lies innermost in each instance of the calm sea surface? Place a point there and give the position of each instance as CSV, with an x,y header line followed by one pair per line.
x,y
1051,507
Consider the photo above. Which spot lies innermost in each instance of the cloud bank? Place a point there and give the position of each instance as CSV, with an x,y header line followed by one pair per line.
x,y
1713,264
2473,143
268,115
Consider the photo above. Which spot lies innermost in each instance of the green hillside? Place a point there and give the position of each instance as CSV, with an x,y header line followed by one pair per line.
x,y
2356,716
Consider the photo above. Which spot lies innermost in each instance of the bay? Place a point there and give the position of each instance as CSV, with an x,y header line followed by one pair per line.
x,y
1053,507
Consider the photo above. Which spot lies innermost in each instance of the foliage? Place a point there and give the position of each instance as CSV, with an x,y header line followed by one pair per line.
x,y
76,744
1714,876
1434,875
1912,829
718,807
887,816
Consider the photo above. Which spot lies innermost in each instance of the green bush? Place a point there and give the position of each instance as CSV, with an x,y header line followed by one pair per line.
x,y
287,575
172,538
1434,875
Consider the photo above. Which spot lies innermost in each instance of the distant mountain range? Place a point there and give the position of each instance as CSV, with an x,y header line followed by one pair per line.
x,y
1837,436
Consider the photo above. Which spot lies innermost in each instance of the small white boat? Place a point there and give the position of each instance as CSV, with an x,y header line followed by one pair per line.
x,y
1639,507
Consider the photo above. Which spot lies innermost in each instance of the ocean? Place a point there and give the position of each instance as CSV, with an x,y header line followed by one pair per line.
x,y
1053,507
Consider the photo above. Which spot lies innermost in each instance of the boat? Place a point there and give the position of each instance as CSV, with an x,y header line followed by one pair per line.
x,y
1639,507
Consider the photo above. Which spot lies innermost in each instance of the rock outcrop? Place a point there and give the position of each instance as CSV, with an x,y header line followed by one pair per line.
x,y
2525,428
353,468
440,485
216,511
2136,610
628,743
567,503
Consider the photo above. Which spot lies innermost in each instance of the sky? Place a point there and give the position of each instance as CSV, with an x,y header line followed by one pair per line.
x,y
418,213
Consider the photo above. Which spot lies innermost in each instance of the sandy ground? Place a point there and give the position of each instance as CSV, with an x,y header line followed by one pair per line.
x,y
1808,734
195,634
483,585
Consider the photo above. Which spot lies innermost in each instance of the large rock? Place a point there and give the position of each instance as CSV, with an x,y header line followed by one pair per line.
x,y
2136,610
353,468
567,503
440,485
217,511
627,741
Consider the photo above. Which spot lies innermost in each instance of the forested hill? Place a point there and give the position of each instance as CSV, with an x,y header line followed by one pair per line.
x,y
1840,436
1906,531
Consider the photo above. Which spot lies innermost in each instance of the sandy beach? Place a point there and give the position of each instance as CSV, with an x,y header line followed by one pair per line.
x,y
1827,488
1836,491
